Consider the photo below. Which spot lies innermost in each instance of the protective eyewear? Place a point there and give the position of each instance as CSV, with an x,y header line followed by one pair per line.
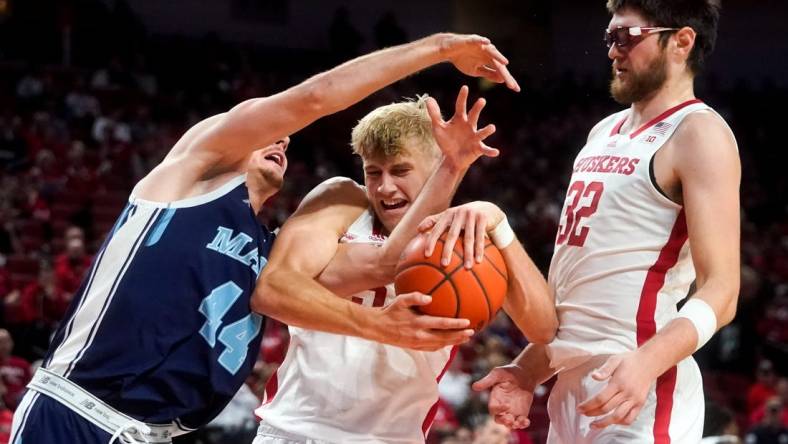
x,y
629,36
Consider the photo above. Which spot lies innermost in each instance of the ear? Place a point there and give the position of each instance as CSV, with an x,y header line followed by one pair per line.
x,y
684,42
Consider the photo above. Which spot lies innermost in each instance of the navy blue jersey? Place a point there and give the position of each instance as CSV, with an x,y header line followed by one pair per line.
x,y
161,328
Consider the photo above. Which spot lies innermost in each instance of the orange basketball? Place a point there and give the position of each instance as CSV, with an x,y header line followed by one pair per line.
x,y
475,294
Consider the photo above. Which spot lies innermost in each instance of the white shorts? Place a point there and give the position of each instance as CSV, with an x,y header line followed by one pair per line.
x,y
267,434
673,412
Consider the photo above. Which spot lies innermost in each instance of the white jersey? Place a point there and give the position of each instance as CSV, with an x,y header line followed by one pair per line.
x,y
344,389
622,260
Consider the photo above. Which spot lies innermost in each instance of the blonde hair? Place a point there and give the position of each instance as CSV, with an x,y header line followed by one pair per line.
x,y
385,131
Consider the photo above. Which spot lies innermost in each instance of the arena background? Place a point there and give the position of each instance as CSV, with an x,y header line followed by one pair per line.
x,y
93,93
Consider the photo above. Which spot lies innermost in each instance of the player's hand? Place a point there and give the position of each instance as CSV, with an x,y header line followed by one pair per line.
x,y
510,402
472,220
398,324
628,379
476,56
458,139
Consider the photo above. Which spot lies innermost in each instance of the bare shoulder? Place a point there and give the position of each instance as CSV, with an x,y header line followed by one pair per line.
x,y
704,136
337,196
703,149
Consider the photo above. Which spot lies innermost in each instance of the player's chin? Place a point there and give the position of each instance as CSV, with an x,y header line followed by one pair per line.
x,y
273,178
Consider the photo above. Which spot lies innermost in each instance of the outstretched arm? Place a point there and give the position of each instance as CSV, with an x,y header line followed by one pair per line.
x,y
358,267
220,143
709,171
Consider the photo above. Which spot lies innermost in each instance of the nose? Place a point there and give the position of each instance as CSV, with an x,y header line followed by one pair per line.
x,y
285,142
614,52
386,186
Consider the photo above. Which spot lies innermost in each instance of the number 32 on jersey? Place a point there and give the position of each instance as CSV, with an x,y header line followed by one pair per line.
x,y
581,202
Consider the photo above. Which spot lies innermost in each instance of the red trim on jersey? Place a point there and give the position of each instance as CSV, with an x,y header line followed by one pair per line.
x,y
653,121
663,116
655,279
618,126
425,426
647,326
666,383
271,387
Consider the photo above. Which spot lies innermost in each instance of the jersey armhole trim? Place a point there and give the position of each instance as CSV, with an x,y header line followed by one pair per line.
x,y
194,200
655,189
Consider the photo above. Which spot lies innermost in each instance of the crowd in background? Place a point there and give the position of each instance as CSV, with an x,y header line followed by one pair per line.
x,y
74,140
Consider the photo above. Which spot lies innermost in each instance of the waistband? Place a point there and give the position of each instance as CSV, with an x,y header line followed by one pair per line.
x,y
100,413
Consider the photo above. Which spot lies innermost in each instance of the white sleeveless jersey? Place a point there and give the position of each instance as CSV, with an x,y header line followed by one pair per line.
x,y
622,260
344,389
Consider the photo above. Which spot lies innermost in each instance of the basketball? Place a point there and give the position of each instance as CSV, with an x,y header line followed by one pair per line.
x,y
475,294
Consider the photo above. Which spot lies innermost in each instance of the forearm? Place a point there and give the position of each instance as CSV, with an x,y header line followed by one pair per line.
x,y
435,196
679,338
355,268
533,366
354,80
529,301
299,301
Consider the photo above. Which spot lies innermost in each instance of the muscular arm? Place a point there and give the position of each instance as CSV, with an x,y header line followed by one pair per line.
x,y
220,143
706,161
529,301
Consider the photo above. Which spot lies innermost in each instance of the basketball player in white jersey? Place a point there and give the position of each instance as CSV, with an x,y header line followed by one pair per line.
x,y
340,389
652,205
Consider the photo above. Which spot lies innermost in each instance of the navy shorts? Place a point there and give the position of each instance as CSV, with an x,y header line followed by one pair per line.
x,y
40,419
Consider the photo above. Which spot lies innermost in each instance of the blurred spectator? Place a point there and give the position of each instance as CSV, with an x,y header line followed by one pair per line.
x,y
455,385
70,266
719,426
782,397
6,417
490,432
388,31
770,430
765,386
344,38
14,371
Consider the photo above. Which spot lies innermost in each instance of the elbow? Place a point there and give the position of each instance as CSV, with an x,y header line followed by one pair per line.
x,y
314,96
266,299
544,334
727,316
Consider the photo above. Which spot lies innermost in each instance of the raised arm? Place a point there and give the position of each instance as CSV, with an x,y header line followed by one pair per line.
x,y
706,162
358,267
222,142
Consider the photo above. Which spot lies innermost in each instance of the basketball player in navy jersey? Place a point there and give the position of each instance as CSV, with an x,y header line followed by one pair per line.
x,y
336,388
653,204
161,334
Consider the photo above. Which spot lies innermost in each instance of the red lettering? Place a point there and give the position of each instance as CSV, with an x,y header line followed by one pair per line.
x,y
621,164
600,166
631,166
609,164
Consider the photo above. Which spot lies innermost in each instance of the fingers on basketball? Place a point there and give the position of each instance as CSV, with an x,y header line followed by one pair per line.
x,y
475,294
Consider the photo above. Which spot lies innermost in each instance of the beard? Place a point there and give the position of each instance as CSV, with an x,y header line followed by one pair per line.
x,y
640,85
